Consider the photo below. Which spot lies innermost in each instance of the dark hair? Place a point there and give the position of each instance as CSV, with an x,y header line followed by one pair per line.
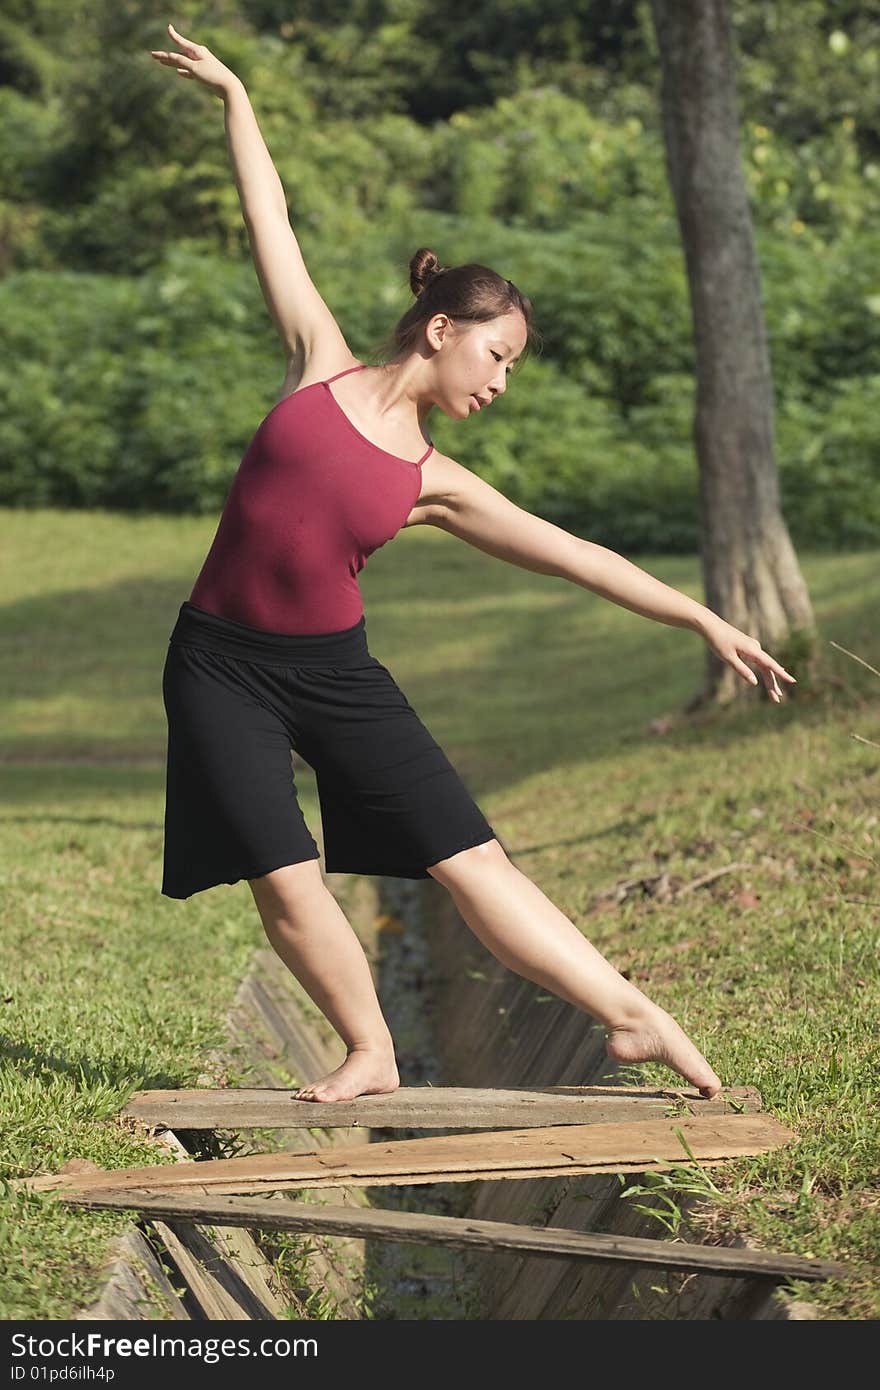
x,y
469,293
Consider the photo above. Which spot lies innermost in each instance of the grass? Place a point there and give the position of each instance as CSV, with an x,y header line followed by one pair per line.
x,y
544,696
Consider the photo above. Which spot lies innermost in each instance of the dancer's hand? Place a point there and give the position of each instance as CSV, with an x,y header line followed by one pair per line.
x,y
737,649
195,60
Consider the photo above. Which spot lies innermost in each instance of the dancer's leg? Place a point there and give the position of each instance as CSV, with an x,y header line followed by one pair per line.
x,y
521,927
309,931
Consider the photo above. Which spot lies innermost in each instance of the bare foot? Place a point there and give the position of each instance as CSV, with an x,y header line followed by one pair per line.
x,y
658,1038
363,1073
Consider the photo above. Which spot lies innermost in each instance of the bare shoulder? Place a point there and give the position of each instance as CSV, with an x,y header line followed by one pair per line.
x,y
306,365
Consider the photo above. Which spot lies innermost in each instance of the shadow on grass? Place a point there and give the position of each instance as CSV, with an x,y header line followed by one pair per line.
x,y
624,827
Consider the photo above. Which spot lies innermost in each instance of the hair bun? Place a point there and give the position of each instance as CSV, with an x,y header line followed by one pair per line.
x,y
423,269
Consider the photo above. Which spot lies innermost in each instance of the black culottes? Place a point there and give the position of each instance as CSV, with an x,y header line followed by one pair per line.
x,y
238,699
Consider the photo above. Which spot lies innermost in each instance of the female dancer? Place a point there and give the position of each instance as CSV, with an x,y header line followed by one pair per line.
x,y
270,651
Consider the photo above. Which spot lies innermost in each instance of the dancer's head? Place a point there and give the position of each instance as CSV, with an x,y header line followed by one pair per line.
x,y
470,324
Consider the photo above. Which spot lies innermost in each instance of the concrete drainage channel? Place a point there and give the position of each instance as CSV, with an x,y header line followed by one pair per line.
x,y
458,1018
493,1028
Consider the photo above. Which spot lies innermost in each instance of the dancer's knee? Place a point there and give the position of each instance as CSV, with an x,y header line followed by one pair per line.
x,y
460,869
286,898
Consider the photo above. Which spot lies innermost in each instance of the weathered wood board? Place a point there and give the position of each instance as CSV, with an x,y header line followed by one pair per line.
x,y
427,1107
554,1151
460,1232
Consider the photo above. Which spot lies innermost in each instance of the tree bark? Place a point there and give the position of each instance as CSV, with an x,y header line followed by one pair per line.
x,y
750,570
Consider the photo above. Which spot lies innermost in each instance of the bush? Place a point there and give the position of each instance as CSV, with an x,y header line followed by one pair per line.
x,y
141,390
142,394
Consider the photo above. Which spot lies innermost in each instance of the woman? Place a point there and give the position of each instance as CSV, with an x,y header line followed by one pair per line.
x,y
270,651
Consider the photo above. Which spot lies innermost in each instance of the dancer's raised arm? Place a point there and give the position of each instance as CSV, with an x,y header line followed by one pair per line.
x,y
300,315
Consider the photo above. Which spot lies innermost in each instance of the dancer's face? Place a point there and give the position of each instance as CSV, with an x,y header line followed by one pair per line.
x,y
474,360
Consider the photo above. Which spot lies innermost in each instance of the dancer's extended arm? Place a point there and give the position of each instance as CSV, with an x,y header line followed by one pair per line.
x,y
300,315
478,513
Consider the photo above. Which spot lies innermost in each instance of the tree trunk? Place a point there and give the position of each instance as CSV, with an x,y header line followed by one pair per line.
x,y
750,571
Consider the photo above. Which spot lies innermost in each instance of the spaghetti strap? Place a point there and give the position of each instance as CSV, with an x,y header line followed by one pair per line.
x,y
359,368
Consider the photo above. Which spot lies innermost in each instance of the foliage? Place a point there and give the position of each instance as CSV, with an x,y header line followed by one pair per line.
x,y
126,269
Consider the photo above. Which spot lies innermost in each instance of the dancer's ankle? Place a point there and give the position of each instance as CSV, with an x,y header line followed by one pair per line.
x,y
382,1046
632,1011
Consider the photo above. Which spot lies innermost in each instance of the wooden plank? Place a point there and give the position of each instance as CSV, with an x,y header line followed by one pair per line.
x,y
464,1233
554,1151
430,1107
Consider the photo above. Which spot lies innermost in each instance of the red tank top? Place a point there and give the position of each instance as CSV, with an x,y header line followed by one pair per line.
x,y
312,498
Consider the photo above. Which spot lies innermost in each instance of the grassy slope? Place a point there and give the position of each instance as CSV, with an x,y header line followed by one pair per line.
x,y
543,695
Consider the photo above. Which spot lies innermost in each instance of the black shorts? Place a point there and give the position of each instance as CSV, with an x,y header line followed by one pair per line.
x,y
238,699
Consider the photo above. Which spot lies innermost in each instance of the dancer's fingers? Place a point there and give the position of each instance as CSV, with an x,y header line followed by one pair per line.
x,y
744,670
769,667
184,43
170,60
768,663
769,673
775,667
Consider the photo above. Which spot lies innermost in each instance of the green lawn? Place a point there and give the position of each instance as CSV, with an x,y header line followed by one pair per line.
x,y
543,695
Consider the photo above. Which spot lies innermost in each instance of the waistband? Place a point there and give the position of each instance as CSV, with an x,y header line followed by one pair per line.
x,y
195,627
